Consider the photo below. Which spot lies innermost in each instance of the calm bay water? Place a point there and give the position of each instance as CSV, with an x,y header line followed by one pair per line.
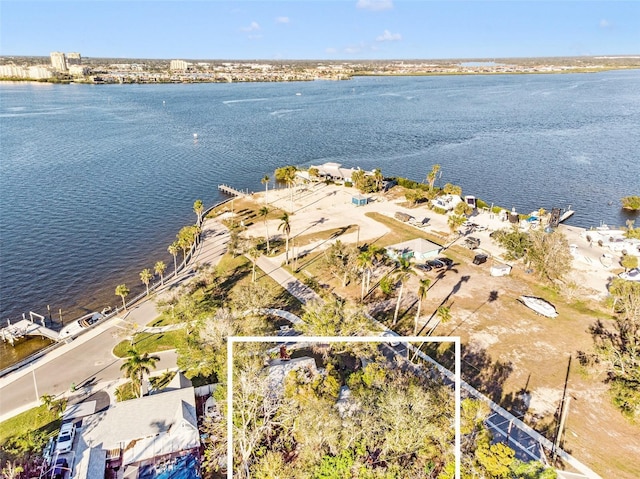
x,y
95,181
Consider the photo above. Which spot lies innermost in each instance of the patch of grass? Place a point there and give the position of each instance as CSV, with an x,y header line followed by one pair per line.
x,y
229,264
29,430
151,343
400,231
325,234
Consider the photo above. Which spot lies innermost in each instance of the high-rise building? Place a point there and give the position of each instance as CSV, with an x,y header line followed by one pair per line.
x,y
58,61
178,65
74,58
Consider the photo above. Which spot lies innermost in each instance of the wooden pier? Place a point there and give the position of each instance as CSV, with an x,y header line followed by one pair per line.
x,y
27,327
232,191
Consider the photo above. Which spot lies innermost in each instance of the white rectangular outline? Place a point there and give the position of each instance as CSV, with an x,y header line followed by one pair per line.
x,y
340,339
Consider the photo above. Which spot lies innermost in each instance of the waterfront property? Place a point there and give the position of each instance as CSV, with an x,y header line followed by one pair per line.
x,y
142,437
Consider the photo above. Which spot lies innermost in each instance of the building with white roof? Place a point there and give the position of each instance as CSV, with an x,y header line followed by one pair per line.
x,y
137,433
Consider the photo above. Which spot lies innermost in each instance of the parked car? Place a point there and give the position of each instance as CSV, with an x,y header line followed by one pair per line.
x,y
448,262
60,468
65,438
471,242
480,258
423,267
435,264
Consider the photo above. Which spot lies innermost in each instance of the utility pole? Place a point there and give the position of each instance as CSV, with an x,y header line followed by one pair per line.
x,y
564,406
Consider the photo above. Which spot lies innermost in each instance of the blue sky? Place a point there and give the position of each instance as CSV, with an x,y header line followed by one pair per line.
x,y
320,29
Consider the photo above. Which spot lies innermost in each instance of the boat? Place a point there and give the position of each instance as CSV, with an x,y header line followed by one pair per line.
x,y
539,305
632,275
75,327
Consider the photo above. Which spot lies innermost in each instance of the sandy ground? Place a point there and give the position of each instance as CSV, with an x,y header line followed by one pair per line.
x,y
319,207
521,357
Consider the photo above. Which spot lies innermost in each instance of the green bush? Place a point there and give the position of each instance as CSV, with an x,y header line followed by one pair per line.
x,y
335,467
440,211
626,397
410,184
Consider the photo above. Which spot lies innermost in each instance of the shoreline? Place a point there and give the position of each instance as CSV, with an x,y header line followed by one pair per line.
x,y
343,77
100,300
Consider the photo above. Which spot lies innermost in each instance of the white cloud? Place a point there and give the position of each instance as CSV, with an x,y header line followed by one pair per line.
x,y
251,28
375,5
330,50
282,20
604,23
387,36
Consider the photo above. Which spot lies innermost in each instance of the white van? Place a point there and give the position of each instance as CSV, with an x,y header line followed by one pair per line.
x,y
65,438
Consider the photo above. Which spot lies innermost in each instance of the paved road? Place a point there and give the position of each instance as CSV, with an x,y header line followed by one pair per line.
x,y
89,357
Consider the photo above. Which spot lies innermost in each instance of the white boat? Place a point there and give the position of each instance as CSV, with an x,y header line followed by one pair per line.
x,y
75,327
632,275
539,305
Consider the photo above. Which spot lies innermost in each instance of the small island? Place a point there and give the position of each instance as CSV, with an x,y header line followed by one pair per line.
x,y
631,203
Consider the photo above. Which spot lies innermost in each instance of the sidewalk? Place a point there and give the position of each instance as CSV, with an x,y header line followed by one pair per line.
x,y
271,267
90,352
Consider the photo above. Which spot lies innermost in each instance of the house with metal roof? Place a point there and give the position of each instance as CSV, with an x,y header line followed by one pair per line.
x,y
335,171
139,434
418,248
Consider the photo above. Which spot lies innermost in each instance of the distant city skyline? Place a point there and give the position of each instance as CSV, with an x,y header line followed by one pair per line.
x,y
332,30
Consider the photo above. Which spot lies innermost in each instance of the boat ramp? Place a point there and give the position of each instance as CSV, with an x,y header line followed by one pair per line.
x,y
35,325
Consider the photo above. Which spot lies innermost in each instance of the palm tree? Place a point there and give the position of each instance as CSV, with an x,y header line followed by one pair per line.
x,y
378,178
285,226
290,180
422,294
444,313
432,176
253,254
455,222
402,272
52,404
198,208
123,292
145,277
12,470
265,182
264,212
159,269
173,251
365,262
185,239
136,366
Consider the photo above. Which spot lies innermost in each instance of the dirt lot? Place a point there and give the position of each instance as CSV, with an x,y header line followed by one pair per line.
x,y
516,357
